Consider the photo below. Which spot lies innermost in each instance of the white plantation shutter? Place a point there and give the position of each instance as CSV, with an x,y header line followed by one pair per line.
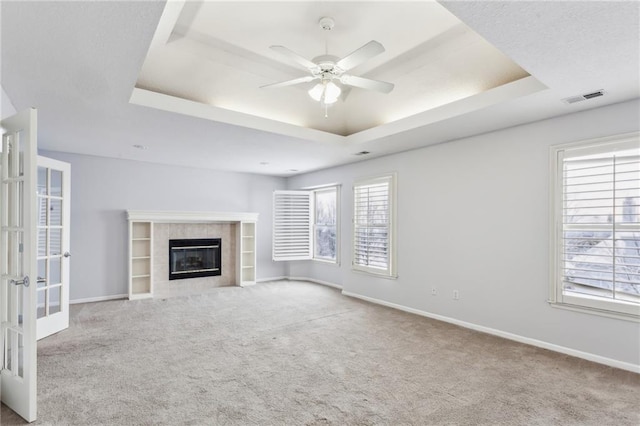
x,y
598,217
292,225
373,225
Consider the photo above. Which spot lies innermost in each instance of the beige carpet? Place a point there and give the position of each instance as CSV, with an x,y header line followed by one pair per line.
x,y
292,353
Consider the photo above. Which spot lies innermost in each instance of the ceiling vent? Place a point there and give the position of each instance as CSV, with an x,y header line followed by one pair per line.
x,y
580,98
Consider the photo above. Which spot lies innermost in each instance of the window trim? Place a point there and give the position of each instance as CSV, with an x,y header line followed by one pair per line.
x,y
557,299
391,271
336,188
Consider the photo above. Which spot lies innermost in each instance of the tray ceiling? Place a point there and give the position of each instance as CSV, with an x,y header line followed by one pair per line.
x,y
209,59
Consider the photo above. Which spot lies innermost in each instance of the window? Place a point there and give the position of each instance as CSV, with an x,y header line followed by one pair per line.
x,y
305,224
374,226
325,230
596,250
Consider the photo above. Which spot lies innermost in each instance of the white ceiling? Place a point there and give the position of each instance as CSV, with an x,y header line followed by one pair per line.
x,y
79,62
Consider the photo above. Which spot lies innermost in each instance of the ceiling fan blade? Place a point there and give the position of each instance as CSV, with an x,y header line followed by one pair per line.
x,y
294,57
366,83
357,57
290,82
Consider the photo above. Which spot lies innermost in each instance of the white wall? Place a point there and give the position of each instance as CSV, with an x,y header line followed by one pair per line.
x,y
473,216
6,106
102,189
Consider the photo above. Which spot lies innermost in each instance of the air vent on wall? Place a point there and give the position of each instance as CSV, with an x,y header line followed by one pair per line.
x,y
580,98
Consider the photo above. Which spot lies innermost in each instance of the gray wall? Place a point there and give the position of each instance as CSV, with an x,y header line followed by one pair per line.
x,y
473,216
102,189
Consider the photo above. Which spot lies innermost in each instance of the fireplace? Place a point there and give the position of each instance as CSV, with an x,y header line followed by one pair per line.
x,y
194,258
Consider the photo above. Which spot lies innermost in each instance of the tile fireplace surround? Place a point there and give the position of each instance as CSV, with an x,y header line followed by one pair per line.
x,y
149,235
163,232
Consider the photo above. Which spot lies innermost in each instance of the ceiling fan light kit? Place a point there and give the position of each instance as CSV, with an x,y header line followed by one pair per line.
x,y
326,92
330,69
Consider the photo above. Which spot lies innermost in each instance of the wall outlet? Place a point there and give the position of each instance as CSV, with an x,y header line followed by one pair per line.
x,y
456,295
434,291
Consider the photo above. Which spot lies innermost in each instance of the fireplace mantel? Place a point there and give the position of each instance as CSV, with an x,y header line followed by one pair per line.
x,y
141,244
190,217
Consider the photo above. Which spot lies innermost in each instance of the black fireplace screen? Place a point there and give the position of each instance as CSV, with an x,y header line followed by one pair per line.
x,y
194,258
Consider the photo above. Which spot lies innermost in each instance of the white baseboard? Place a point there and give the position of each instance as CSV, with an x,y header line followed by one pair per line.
x,y
510,336
313,280
264,280
98,299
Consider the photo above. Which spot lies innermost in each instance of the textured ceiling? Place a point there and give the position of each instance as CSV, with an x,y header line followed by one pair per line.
x,y
78,62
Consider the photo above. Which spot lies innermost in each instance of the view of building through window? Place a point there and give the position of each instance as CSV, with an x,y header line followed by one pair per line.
x,y
325,226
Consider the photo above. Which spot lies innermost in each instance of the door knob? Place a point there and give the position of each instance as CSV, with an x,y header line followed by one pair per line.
x,y
24,281
67,254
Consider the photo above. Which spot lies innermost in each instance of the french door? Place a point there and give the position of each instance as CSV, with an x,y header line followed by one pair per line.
x,y
53,246
18,264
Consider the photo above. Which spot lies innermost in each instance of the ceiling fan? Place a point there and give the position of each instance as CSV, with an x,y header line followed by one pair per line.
x,y
329,70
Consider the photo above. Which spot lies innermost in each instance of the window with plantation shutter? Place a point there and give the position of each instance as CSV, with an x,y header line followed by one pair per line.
x,y
292,225
325,224
373,225
597,226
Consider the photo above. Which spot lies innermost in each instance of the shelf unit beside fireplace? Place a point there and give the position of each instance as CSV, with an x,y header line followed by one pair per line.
x,y
140,259
248,253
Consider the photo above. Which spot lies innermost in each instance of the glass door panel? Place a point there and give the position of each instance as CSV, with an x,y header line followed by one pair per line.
x,y
53,232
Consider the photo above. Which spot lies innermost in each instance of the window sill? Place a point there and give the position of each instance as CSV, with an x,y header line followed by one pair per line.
x,y
595,311
375,274
326,261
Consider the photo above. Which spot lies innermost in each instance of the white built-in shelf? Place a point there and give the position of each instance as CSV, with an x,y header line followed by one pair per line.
x,y
140,261
247,253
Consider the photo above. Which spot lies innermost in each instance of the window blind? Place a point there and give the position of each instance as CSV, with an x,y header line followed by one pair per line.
x,y
601,226
372,225
292,225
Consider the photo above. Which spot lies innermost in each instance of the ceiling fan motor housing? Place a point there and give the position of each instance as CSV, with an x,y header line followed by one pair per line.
x,y
327,65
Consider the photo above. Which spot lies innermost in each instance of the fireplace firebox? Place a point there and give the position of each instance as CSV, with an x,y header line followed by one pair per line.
x,y
194,258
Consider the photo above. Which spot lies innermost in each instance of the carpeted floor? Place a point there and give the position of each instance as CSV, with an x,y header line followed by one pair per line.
x,y
293,353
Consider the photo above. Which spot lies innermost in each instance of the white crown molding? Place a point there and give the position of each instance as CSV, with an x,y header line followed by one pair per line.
x,y
190,217
507,92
